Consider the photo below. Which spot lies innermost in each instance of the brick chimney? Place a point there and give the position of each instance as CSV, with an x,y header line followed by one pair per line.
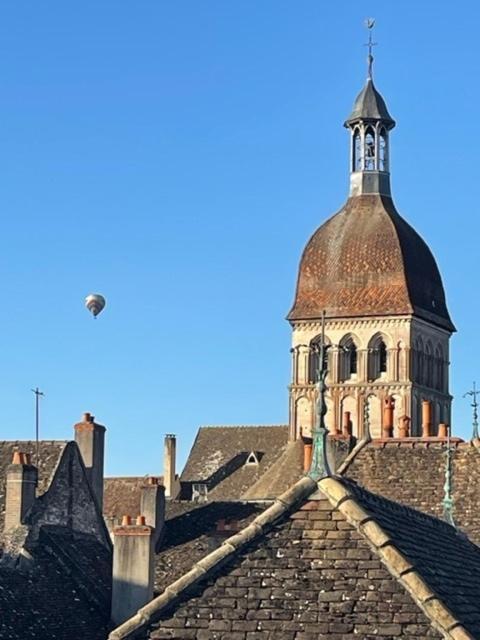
x,y
169,475
133,570
20,489
152,506
90,438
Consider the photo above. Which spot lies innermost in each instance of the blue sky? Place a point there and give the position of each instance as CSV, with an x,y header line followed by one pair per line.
x,y
176,156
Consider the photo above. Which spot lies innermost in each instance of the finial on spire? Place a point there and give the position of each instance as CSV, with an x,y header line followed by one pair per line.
x,y
370,23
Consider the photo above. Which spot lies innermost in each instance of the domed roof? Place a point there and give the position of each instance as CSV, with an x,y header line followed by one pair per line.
x,y
368,261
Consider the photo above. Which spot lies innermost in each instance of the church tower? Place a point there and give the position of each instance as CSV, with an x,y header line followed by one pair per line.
x,y
387,327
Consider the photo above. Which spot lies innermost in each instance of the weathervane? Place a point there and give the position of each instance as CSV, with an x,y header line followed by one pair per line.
x,y
320,467
473,394
370,23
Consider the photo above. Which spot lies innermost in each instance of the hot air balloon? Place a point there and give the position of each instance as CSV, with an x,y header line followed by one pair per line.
x,y
95,303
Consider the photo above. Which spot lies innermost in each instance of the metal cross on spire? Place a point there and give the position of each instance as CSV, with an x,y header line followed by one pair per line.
x,y
473,394
370,23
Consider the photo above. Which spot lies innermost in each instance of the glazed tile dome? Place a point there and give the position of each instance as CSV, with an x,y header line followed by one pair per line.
x,y
368,261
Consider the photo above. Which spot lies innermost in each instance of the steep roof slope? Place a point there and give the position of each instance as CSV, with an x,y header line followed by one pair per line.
x,y
219,454
344,564
412,472
50,452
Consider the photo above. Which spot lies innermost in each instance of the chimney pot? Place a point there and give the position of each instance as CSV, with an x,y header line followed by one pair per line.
x,y
126,521
443,430
347,424
388,407
404,427
426,419
86,417
17,457
307,456
141,521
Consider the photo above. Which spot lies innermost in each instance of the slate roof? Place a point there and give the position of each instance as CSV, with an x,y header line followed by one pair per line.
x,y
193,530
121,495
218,457
370,105
46,601
344,564
413,473
50,452
444,557
368,261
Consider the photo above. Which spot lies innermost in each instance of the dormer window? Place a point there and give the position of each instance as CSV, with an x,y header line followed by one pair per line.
x,y
199,492
253,459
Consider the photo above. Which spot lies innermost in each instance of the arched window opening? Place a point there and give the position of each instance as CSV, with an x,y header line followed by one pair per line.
x,y
382,357
357,151
348,359
429,369
440,370
370,150
383,160
377,358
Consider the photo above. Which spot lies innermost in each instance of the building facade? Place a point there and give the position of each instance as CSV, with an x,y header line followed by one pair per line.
x,y
387,326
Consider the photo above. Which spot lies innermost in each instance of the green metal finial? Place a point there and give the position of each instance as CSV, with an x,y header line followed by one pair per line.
x,y
473,394
320,467
447,487
370,23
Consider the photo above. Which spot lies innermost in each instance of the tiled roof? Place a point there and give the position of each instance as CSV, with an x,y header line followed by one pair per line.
x,y
218,457
413,474
50,452
121,495
445,558
345,564
368,261
45,601
192,531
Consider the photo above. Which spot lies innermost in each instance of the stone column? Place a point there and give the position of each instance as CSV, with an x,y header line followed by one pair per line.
x,y
133,568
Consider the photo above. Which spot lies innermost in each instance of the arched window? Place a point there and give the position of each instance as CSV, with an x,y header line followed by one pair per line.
x,y
348,358
357,151
382,357
429,369
314,359
383,159
439,367
377,358
370,151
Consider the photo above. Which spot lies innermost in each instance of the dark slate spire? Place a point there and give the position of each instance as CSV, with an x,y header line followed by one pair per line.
x,y
370,106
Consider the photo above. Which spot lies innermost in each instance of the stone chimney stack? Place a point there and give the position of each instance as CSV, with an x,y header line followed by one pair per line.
x,y
152,506
133,570
169,475
20,489
90,438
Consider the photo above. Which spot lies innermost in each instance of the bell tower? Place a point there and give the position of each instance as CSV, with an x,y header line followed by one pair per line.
x,y
387,326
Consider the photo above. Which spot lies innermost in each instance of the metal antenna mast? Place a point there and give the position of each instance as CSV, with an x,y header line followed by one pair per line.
x,y
37,393
473,394
370,23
